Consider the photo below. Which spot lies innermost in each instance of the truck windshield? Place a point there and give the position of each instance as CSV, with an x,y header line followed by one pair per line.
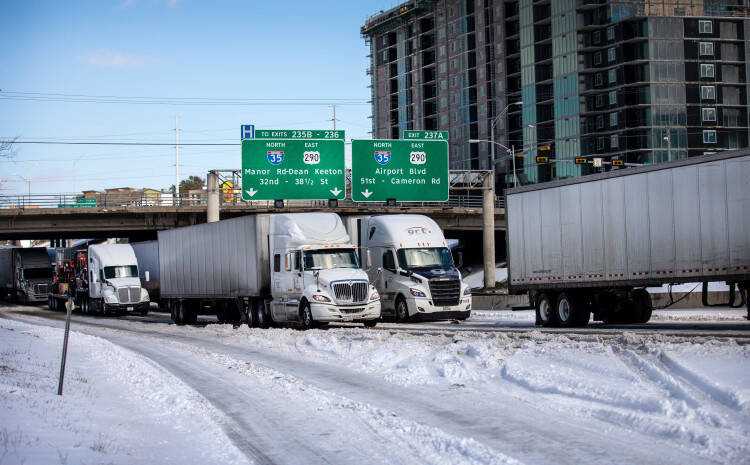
x,y
37,273
330,258
434,257
128,271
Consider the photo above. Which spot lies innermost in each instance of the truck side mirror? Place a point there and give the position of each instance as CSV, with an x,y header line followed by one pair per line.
x,y
368,259
147,276
460,260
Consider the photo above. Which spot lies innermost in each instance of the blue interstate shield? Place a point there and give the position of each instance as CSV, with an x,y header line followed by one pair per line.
x,y
382,156
275,157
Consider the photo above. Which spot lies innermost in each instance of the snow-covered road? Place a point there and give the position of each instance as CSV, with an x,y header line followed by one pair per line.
x,y
349,395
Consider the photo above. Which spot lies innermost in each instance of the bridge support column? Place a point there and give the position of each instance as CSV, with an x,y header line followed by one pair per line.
x,y
214,198
488,226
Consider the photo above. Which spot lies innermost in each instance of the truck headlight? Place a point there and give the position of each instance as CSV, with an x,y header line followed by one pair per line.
x,y
467,291
321,298
417,292
144,295
110,298
374,294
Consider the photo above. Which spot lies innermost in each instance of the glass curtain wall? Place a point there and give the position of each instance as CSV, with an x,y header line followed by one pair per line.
x,y
565,73
528,88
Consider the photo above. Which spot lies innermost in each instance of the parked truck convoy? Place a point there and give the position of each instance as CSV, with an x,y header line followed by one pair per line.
x,y
591,245
25,274
264,269
100,278
408,260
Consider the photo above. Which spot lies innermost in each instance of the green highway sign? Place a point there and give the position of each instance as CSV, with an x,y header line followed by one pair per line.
x,y
299,166
424,135
297,134
405,170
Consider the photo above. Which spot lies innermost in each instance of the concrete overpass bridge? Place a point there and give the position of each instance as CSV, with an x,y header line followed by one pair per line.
x,y
58,217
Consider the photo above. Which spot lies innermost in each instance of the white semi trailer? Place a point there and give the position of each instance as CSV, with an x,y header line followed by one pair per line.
x,y
266,269
408,259
592,244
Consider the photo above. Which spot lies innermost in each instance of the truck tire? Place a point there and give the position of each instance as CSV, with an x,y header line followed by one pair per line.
x,y
85,305
370,323
174,313
566,310
545,314
50,299
402,310
260,317
642,305
305,316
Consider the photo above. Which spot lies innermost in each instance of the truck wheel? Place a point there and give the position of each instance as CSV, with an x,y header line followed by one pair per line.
x,y
402,310
305,316
49,303
181,312
642,306
260,317
566,310
545,313
85,305
174,306
370,323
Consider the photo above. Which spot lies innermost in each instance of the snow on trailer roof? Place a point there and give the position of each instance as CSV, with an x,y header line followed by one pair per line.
x,y
724,155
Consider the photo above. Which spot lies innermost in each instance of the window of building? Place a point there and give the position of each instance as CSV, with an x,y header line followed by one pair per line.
x,y
707,70
598,80
706,48
276,263
705,26
597,58
612,54
613,119
708,114
599,101
614,141
611,33
597,37
600,143
708,92
709,136
613,76
731,117
599,122
613,97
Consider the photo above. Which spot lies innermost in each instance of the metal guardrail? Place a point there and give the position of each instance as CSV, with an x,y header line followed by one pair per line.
x,y
135,201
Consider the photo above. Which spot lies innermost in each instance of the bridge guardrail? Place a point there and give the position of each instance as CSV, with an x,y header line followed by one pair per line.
x,y
103,200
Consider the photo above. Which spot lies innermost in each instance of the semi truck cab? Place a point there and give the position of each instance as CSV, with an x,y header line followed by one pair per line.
x,y
114,285
409,262
315,273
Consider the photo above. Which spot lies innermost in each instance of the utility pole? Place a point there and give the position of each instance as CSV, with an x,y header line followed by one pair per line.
x,y
176,156
333,107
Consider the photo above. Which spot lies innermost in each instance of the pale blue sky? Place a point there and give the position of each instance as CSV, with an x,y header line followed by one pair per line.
x,y
175,49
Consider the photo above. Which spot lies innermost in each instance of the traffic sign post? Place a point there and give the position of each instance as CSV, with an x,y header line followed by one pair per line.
x,y
293,165
405,170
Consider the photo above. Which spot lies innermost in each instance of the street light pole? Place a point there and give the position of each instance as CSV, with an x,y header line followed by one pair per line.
x,y
492,133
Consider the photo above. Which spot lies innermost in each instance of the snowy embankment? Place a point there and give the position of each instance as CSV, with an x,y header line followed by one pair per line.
x,y
117,407
677,395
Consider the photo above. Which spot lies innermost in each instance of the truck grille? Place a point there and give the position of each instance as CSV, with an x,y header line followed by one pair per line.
x,y
127,295
445,292
41,288
350,291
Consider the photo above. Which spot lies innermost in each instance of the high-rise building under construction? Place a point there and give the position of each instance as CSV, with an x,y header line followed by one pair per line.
x,y
639,81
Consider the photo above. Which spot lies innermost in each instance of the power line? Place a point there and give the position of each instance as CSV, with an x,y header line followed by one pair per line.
x,y
196,101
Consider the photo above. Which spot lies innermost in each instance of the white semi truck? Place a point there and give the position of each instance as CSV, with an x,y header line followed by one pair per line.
x,y
408,260
100,279
266,269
